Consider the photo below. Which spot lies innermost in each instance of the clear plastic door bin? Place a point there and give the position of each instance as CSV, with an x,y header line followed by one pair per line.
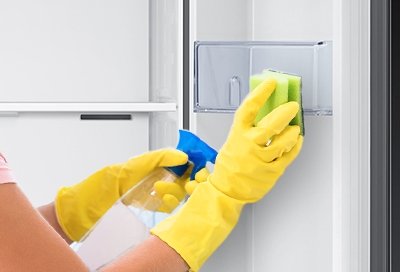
x,y
223,69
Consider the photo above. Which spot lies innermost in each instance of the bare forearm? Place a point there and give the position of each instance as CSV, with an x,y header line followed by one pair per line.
x,y
27,242
49,214
152,255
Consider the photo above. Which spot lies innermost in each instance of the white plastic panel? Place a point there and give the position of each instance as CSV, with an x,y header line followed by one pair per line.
x,y
293,223
166,60
294,20
74,51
222,20
48,151
164,130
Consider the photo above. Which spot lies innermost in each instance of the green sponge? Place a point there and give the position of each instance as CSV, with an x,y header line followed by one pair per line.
x,y
288,88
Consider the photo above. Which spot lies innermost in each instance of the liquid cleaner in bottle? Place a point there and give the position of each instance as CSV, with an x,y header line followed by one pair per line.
x,y
128,222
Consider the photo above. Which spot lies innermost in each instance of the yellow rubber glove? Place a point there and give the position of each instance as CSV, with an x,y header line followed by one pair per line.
x,y
78,207
245,170
199,177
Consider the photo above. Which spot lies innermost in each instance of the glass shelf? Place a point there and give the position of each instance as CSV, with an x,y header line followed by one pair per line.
x,y
223,69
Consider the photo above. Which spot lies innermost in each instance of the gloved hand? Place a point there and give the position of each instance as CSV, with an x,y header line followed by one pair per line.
x,y
78,207
172,193
245,170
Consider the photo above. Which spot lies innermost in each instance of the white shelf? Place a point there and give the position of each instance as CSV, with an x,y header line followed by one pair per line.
x,y
10,108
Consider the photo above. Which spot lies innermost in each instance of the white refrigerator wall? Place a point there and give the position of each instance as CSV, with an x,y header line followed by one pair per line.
x,y
166,78
291,228
74,51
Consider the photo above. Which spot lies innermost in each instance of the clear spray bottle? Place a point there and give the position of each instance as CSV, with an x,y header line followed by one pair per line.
x,y
128,222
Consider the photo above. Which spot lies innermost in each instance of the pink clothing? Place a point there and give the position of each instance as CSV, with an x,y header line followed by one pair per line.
x,y
6,175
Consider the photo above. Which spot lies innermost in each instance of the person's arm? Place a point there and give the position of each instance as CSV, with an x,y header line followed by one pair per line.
x,y
152,255
27,242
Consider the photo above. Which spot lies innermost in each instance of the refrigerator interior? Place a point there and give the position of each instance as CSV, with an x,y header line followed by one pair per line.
x,y
62,60
291,229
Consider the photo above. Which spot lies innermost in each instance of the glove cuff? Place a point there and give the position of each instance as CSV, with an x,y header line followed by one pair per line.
x,y
59,214
201,225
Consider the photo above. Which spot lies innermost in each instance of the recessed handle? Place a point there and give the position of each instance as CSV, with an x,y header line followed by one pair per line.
x,y
235,90
106,117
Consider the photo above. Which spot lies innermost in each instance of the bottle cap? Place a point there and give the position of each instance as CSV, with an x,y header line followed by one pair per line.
x,y
179,170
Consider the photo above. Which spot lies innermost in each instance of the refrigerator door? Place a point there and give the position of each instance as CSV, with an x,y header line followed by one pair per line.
x,y
316,217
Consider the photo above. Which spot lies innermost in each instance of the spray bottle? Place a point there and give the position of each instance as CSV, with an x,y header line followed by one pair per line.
x,y
128,222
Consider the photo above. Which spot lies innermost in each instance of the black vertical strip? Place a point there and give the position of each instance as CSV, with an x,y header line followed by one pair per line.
x,y
186,63
395,134
380,137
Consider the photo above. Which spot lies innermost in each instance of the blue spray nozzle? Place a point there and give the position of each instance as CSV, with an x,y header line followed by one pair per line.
x,y
199,153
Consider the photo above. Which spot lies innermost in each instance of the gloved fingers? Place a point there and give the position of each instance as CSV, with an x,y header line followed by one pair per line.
x,y
281,143
202,175
163,188
274,123
159,158
287,158
170,202
248,111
